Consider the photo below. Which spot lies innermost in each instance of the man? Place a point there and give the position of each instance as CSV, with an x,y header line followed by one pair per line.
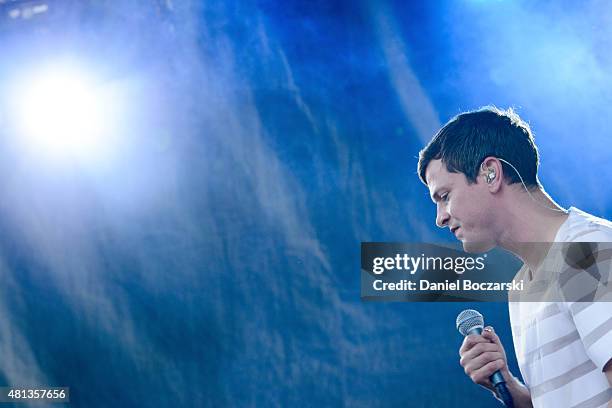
x,y
481,171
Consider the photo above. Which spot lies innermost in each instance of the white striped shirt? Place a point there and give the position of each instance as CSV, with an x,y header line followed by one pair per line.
x,y
562,347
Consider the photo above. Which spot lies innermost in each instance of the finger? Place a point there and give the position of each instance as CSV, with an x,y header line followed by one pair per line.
x,y
481,375
470,341
489,334
482,360
480,355
491,367
477,350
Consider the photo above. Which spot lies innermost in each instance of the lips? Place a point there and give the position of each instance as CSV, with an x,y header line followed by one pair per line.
x,y
454,230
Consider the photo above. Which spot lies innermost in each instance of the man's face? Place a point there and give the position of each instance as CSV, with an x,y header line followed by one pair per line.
x,y
465,208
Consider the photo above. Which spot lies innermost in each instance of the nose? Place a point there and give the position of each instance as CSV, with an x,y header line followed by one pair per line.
x,y
442,216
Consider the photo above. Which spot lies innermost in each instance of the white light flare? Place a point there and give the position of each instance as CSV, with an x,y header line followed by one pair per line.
x,y
63,113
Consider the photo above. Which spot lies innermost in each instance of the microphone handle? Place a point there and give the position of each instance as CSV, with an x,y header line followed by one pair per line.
x,y
503,394
497,379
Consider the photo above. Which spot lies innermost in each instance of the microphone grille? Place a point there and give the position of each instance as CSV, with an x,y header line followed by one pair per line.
x,y
468,320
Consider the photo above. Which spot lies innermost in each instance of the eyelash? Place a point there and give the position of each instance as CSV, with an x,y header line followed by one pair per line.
x,y
444,197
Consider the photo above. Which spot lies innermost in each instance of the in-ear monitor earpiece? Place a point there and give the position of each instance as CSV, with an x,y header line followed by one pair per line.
x,y
490,176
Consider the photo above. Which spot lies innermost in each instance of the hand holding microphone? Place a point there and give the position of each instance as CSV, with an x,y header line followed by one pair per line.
x,y
482,355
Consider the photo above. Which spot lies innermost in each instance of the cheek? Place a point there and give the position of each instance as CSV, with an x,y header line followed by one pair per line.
x,y
463,208
479,223
469,212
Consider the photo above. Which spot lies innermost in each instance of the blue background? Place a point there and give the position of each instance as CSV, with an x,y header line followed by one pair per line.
x,y
214,261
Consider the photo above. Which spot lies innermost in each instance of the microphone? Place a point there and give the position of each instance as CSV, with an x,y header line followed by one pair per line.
x,y
471,322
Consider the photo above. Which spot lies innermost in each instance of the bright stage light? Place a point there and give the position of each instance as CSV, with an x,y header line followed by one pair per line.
x,y
62,112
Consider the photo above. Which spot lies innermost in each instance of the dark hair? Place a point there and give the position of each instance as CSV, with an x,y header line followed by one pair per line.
x,y
467,139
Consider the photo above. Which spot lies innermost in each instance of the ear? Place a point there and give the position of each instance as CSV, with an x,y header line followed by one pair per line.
x,y
492,173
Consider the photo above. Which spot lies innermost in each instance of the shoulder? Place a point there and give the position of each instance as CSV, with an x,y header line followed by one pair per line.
x,y
585,227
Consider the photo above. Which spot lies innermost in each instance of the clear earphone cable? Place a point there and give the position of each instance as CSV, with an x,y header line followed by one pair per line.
x,y
527,190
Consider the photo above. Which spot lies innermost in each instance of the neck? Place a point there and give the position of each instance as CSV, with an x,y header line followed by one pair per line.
x,y
531,220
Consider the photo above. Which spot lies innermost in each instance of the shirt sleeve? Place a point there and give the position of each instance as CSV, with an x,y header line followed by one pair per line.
x,y
593,319
593,322
593,316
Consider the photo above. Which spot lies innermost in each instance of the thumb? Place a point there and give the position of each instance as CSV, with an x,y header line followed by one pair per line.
x,y
489,334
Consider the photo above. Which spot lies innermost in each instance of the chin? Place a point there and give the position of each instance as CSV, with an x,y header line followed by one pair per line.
x,y
476,247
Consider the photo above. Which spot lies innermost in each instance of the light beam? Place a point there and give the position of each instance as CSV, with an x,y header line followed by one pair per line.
x,y
63,112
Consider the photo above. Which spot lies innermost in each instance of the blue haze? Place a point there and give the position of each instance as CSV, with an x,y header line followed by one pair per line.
x,y
214,259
